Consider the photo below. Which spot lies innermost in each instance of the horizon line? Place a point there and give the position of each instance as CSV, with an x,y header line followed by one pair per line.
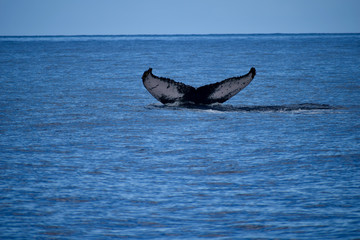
x,y
175,34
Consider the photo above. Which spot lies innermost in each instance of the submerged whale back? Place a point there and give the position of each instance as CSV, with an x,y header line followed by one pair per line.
x,y
166,90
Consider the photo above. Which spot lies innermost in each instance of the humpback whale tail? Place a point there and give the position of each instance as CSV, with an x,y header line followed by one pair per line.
x,y
166,90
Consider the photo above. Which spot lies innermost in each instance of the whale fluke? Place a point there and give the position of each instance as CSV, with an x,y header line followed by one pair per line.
x,y
166,90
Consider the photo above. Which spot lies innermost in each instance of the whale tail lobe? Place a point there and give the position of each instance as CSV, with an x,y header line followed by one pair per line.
x,y
166,90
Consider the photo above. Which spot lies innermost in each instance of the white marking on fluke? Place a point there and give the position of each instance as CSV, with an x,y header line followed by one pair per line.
x,y
166,90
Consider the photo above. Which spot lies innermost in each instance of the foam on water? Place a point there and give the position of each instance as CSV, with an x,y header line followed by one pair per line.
x,y
303,107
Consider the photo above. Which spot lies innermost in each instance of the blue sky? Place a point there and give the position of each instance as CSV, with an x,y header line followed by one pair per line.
x,y
90,17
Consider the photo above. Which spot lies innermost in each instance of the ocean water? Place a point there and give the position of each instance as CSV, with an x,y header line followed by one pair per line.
x,y
87,153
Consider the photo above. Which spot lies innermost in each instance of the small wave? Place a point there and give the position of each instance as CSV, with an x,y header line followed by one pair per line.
x,y
261,108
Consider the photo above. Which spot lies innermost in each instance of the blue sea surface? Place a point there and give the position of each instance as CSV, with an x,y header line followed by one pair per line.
x,y
87,153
